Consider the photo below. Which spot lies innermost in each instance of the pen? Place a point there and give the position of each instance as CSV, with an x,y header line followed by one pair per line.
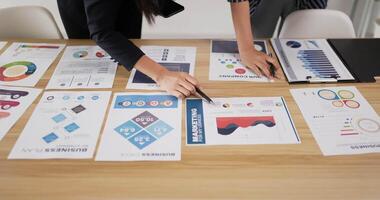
x,y
203,95
272,69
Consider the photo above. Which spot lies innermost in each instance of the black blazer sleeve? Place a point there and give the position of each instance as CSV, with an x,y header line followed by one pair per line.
x,y
101,19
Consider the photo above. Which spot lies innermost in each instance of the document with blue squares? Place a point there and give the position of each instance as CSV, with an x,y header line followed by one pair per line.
x,y
142,126
65,125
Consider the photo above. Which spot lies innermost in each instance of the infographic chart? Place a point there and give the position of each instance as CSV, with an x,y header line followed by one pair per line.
x,y
341,120
23,64
305,60
142,126
64,125
235,121
13,103
84,67
226,65
176,59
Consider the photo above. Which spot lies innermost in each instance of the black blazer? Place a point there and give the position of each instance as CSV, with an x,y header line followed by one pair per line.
x,y
111,23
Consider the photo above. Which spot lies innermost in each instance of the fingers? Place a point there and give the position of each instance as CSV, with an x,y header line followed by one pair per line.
x,y
191,79
188,86
185,92
255,70
265,69
177,94
270,59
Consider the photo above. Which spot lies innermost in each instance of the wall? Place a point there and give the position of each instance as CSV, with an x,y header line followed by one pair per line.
x,y
212,18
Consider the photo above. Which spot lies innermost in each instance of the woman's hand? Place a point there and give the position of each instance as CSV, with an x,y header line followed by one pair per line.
x,y
259,62
179,84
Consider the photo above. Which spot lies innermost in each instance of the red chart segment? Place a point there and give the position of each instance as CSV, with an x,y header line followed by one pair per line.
x,y
227,125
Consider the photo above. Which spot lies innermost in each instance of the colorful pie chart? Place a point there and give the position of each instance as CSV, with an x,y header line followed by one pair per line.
x,y
16,70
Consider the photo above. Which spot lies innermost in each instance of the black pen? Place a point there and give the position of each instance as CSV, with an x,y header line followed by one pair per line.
x,y
203,95
272,69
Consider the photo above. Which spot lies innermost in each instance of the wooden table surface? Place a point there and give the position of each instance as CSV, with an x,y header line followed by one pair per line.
x,y
215,172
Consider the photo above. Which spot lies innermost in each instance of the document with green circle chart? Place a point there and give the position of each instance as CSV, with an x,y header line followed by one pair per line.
x,y
341,120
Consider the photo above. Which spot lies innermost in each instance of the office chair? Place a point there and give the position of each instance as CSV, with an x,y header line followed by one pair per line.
x,y
28,22
317,23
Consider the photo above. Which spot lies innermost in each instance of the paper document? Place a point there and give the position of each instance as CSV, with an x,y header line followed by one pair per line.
x,y
64,125
236,121
2,44
23,64
84,67
142,126
305,60
178,59
226,65
341,120
13,103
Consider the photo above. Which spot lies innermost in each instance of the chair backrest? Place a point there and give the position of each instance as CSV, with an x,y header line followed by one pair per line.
x,y
317,23
28,22
377,28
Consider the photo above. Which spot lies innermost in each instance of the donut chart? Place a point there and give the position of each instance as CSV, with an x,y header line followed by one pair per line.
x,y
80,54
328,94
293,44
368,125
16,70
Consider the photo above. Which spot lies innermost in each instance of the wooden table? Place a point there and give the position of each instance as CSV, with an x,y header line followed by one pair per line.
x,y
213,172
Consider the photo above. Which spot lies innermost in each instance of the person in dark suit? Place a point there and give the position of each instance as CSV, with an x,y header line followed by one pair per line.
x,y
111,23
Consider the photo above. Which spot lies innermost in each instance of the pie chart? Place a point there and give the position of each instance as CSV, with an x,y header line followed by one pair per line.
x,y
80,54
16,70
293,44
101,54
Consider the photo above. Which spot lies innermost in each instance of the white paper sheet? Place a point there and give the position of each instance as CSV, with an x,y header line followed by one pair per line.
x,y
14,101
142,126
226,65
341,120
64,125
237,121
2,44
83,67
309,59
23,64
179,59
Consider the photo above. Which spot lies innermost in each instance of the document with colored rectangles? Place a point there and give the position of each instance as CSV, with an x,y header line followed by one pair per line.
x,y
309,60
226,64
13,103
23,64
177,59
142,126
238,121
341,120
64,125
